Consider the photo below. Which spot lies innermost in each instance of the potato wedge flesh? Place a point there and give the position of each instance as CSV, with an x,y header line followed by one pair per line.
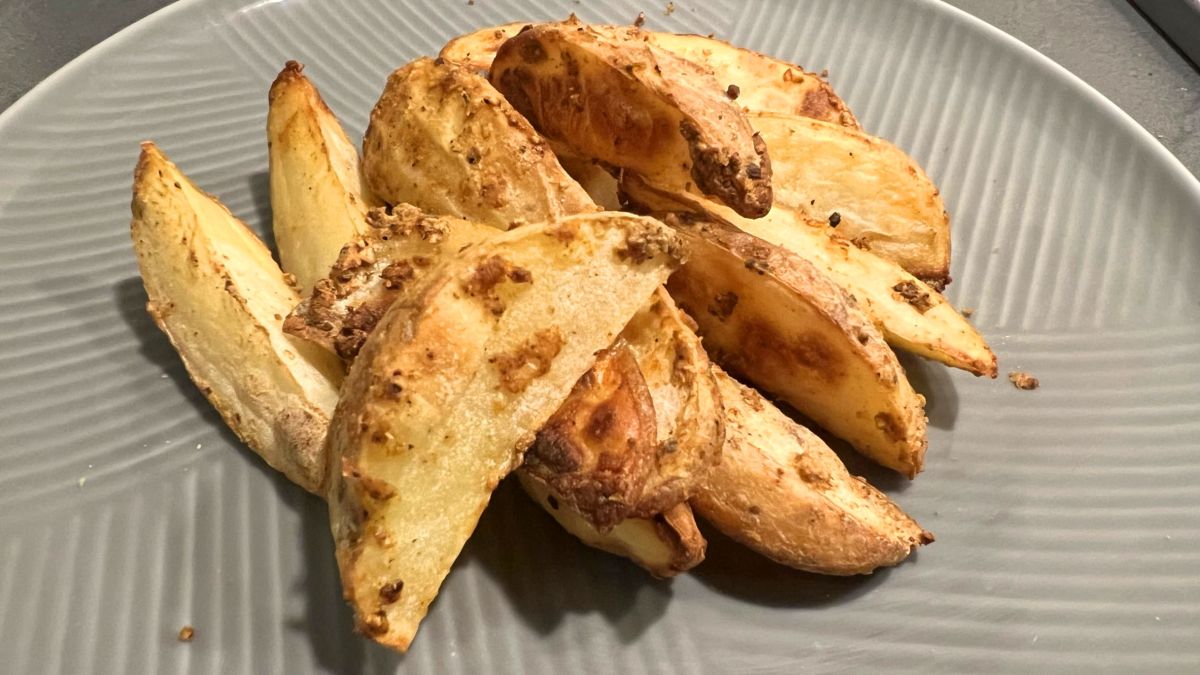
x,y
317,200
442,400
883,199
219,296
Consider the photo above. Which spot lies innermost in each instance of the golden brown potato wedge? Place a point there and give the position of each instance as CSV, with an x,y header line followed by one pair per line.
x,y
446,394
219,296
882,198
405,248
665,545
762,83
640,430
911,315
782,492
392,260
632,105
772,317
316,190
441,138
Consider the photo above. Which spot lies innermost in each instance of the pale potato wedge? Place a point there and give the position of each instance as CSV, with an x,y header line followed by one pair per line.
x,y
447,392
782,492
665,545
911,315
772,317
762,83
317,197
443,139
634,106
219,296
882,198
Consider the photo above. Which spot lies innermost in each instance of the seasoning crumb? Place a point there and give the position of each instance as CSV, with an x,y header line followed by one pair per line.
x,y
186,634
471,3
82,481
835,219
910,293
670,9
1023,380
199,445
967,311
733,91
640,20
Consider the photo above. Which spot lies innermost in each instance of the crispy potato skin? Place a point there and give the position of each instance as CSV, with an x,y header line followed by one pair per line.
x,y
775,319
220,298
446,394
391,262
443,139
641,429
782,492
885,202
597,450
764,83
665,545
632,105
317,197
911,315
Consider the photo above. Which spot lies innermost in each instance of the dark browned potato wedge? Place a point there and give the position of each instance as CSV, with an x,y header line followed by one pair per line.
x,y
219,296
447,393
772,317
884,201
763,83
622,101
911,315
782,492
641,430
441,138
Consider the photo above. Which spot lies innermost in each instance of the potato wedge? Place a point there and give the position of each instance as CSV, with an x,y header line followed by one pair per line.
x,y
220,298
640,430
627,103
443,139
911,315
782,492
763,83
393,260
883,199
404,250
447,393
316,190
772,317
665,545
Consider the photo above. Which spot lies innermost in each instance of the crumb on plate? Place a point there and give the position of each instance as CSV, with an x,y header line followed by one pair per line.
x,y
1023,380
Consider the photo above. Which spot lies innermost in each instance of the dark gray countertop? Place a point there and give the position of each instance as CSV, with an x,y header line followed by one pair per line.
x,y
1105,42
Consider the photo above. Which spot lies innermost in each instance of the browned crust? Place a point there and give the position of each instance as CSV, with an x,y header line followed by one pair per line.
x,y
442,138
597,451
621,100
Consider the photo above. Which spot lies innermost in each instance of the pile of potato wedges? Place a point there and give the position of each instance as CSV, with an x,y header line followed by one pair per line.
x,y
593,256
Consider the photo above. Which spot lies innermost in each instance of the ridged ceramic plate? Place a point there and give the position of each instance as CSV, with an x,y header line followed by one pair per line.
x,y
1068,518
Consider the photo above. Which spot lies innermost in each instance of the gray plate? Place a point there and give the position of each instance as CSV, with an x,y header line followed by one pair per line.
x,y
1068,518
